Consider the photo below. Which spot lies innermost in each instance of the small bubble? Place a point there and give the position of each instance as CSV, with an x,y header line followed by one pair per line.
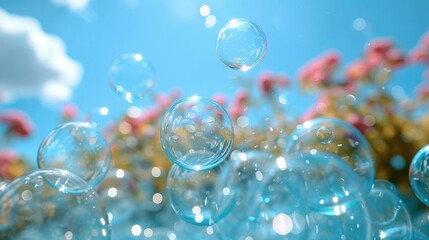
x,y
325,135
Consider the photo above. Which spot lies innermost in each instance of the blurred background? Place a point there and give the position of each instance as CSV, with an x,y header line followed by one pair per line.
x,y
57,53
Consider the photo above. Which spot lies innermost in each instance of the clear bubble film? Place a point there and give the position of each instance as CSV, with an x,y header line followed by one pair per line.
x,y
197,133
419,175
31,207
78,148
131,76
241,44
337,137
315,195
389,216
202,197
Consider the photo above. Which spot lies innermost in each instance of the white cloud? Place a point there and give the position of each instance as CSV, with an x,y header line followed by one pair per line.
x,y
34,63
73,5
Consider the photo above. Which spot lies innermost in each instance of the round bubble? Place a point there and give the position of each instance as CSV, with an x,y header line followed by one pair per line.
x,y
241,44
78,148
201,197
312,197
117,192
420,222
419,175
336,137
49,204
131,76
388,214
197,133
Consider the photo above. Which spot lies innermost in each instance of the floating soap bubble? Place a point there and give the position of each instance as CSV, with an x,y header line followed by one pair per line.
x,y
419,175
315,196
78,148
117,193
131,76
201,197
49,204
197,133
389,217
339,138
420,222
241,44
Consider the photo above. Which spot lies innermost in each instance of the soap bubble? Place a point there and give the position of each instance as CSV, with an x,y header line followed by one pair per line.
x,y
339,138
197,133
315,196
389,217
117,194
241,44
49,204
201,197
78,148
419,175
420,223
131,76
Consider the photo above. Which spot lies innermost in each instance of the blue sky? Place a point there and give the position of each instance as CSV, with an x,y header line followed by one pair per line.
x,y
173,36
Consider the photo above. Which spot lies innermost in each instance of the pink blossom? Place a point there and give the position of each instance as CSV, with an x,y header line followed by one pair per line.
x,y
18,122
425,41
357,121
395,58
379,46
266,82
357,70
283,81
163,100
7,156
70,111
220,98
419,55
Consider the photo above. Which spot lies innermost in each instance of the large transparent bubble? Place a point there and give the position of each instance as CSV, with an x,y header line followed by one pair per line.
x,y
311,196
131,76
201,197
50,204
389,216
197,133
419,175
241,44
420,221
339,138
78,148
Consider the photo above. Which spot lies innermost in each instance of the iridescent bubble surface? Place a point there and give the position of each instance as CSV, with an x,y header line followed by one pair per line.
x,y
241,44
131,75
389,216
336,137
50,204
314,197
201,197
419,175
197,133
78,148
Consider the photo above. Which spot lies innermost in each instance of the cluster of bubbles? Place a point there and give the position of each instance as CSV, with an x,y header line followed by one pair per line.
x,y
321,185
59,199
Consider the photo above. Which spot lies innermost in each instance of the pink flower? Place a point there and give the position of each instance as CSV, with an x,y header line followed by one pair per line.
x,y
379,46
419,55
220,98
163,100
357,70
239,103
7,157
266,83
70,111
18,122
425,41
395,58
357,121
